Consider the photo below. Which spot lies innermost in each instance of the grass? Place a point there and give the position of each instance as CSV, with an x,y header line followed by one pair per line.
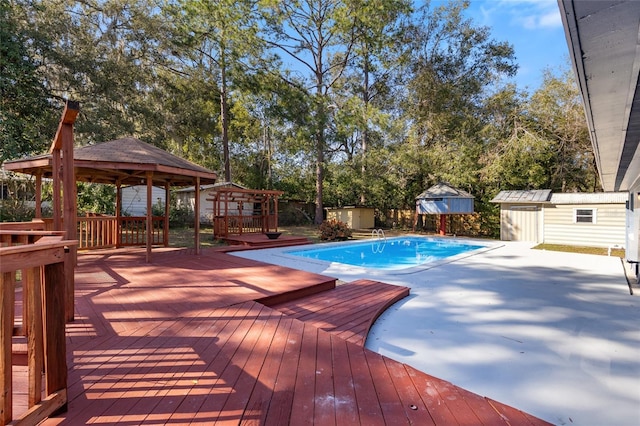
x,y
602,251
183,237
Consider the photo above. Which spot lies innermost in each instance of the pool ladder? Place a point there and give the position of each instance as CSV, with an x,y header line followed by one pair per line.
x,y
379,234
378,247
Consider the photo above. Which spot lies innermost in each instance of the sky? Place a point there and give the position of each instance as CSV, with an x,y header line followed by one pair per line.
x,y
534,29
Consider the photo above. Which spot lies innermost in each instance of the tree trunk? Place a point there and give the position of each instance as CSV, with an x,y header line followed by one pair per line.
x,y
365,132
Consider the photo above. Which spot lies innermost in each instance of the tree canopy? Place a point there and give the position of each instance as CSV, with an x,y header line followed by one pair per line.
x,y
336,102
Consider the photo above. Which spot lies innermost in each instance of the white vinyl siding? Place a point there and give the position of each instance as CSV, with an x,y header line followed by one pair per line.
x,y
566,224
134,199
520,222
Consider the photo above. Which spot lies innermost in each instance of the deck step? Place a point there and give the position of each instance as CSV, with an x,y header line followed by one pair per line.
x,y
261,240
348,310
298,294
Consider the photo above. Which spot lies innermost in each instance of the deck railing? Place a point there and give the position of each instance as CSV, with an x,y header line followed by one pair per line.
x,y
96,232
32,298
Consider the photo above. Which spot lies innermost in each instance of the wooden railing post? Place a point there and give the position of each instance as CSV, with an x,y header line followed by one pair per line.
x,y
55,357
7,302
32,283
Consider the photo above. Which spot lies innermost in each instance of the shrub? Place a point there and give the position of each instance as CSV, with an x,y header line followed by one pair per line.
x,y
180,216
334,230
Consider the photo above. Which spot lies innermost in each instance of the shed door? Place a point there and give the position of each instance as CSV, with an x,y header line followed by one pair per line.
x,y
520,223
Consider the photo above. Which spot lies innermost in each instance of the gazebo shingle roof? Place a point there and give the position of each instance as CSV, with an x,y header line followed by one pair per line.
x,y
122,160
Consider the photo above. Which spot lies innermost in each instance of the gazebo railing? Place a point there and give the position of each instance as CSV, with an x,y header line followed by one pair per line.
x,y
133,231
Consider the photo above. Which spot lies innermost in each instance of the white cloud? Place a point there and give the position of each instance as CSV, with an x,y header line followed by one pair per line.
x,y
527,14
532,14
551,20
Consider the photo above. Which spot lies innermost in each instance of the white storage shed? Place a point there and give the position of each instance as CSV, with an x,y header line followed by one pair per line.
x,y
580,219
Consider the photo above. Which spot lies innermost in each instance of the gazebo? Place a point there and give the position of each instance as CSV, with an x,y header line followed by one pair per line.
x,y
443,199
120,162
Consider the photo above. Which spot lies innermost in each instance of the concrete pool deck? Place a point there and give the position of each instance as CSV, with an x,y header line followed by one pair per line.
x,y
554,334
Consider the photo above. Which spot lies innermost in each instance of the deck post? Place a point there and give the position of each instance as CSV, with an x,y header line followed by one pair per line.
x,y
7,302
55,357
35,351
57,199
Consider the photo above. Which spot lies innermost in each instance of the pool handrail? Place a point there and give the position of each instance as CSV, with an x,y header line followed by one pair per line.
x,y
378,233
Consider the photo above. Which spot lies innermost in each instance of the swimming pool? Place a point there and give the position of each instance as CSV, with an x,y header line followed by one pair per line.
x,y
390,254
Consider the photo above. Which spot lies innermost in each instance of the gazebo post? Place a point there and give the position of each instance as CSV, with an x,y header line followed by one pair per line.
x,y
196,213
118,230
443,224
38,195
149,227
165,230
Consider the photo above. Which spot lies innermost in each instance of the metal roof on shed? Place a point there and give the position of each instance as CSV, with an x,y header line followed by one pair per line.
x,y
526,196
589,198
443,190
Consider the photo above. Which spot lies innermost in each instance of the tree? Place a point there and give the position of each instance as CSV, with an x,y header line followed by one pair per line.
x,y
454,65
26,116
317,35
539,141
216,41
557,115
363,95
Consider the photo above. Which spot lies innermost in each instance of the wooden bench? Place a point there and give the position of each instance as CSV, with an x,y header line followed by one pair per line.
x,y
348,311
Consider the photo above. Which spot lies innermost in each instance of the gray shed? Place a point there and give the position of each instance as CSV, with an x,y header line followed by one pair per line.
x,y
443,199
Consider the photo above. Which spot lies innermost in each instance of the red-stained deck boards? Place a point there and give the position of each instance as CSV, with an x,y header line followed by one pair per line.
x,y
188,339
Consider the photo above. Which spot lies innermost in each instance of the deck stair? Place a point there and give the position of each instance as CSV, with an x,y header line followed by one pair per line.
x,y
348,310
256,240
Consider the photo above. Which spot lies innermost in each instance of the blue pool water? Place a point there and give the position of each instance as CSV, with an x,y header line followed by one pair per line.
x,y
392,253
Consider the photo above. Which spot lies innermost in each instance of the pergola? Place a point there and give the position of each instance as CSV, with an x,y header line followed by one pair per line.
x,y
121,162
238,211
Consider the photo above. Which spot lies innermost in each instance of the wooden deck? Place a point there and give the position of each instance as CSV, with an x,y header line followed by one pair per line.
x,y
348,311
257,240
183,340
